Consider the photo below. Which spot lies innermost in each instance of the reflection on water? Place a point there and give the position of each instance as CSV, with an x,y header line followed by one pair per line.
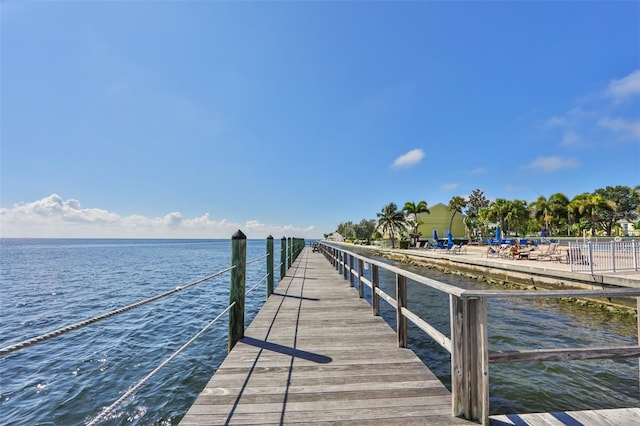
x,y
527,324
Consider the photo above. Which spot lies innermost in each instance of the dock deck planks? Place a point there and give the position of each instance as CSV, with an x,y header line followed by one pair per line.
x,y
316,354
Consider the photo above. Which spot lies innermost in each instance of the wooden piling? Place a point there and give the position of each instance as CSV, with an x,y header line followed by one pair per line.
x,y
269,265
237,288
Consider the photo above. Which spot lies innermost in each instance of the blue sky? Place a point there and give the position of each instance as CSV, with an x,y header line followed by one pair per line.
x,y
195,119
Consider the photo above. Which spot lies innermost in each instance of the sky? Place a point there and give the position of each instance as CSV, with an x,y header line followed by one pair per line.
x,y
193,119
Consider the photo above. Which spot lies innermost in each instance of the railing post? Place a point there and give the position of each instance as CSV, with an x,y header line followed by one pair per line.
x,y
269,266
360,275
635,255
351,277
236,288
345,265
283,257
401,301
469,358
375,297
290,251
590,257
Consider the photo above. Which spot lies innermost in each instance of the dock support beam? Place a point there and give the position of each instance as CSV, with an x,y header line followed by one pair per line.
x,y
236,288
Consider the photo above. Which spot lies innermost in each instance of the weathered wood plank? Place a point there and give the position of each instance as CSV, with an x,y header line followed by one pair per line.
x,y
316,353
610,417
565,354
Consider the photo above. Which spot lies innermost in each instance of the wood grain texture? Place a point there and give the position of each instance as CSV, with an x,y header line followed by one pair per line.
x,y
315,353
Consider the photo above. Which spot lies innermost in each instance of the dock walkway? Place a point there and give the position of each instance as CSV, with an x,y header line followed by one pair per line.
x,y
316,354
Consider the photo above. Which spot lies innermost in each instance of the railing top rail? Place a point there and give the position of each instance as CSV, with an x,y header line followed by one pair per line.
x,y
477,293
445,288
535,294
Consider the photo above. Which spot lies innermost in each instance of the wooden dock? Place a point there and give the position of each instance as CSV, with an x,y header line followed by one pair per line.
x,y
316,354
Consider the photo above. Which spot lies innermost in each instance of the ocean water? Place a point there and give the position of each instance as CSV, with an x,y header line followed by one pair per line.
x,y
67,380
518,324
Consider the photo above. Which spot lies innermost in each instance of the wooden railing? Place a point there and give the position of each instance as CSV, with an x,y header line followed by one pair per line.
x,y
468,344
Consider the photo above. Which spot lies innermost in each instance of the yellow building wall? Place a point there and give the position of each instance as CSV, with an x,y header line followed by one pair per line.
x,y
439,219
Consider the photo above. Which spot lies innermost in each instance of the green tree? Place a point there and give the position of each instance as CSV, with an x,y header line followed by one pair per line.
x,y
541,211
589,207
390,221
365,229
347,230
411,211
456,204
518,216
475,202
626,204
497,211
558,209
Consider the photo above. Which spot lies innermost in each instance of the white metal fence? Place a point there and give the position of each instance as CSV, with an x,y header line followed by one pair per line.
x,y
611,256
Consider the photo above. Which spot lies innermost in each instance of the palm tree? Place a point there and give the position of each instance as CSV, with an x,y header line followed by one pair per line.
x,y
540,210
412,209
456,204
518,215
498,210
589,206
557,205
390,220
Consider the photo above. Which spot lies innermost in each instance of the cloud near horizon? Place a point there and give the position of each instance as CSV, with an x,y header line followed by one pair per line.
x,y
54,217
409,159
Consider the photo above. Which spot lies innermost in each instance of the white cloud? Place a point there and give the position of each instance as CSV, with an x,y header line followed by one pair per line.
x,y
586,121
53,217
551,164
409,159
479,171
570,138
556,122
624,88
449,186
626,129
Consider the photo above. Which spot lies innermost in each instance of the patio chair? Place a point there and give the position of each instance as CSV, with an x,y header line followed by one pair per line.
x,y
459,249
544,253
497,251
